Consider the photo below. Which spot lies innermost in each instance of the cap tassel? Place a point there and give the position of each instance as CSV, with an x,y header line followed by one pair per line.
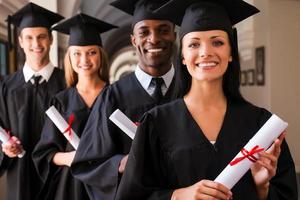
x,y
235,38
10,45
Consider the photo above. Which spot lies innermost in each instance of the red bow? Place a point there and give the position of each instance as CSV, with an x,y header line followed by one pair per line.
x,y
247,154
69,128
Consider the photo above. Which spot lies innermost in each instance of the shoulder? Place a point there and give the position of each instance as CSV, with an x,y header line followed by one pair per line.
x,y
250,112
61,99
13,80
170,112
124,83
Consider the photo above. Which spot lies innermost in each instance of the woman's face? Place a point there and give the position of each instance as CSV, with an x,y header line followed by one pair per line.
x,y
206,54
85,60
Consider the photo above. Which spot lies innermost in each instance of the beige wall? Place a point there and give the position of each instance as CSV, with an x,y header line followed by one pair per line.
x,y
277,28
284,61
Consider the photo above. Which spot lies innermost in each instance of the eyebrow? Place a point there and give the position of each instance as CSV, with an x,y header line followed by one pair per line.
x,y
212,37
91,49
159,26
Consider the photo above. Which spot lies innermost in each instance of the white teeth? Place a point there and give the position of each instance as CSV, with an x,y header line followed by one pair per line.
x,y
211,64
37,50
154,50
85,67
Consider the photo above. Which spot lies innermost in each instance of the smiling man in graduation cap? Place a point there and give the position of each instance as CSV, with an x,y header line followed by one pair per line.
x,y
26,95
101,156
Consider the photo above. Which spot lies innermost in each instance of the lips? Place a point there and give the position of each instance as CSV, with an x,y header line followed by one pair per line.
x,y
207,64
85,67
37,50
155,50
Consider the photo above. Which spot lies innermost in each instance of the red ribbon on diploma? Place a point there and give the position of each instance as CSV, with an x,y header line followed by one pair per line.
x,y
69,128
247,154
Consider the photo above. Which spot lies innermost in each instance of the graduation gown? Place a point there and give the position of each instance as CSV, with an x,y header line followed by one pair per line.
x,y
170,151
103,144
60,184
25,106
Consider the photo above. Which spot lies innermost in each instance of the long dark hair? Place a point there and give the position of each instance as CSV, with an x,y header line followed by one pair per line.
x,y
231,78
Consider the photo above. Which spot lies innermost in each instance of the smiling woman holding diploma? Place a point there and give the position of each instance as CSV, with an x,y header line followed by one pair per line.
x,y
182,146
86,69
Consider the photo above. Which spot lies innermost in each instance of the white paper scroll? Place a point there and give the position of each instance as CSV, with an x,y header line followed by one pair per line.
x,y
4,137
62,125
124,123
265,136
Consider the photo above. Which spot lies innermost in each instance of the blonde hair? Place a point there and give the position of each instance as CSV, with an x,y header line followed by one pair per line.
x,y
72,77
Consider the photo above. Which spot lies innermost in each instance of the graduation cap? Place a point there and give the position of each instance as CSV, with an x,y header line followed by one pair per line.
x,y
83,29
32,15
203,15
141,9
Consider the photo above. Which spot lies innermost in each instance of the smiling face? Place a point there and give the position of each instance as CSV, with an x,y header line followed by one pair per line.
x,y
154,40
85,60
36,43
206,54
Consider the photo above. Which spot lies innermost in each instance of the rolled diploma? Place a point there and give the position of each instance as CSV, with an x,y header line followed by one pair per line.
x,y
124,123
265,136
62,125
4,137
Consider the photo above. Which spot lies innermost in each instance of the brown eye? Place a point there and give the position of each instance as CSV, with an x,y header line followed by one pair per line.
x,y
193,45
91,53
218,43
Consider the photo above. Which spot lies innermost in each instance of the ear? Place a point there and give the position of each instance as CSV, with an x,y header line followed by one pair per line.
x,y
20,41
230,58
132,39
183,60
51,38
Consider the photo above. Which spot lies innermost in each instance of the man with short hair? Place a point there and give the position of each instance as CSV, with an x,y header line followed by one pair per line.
x,y
25,96
102,153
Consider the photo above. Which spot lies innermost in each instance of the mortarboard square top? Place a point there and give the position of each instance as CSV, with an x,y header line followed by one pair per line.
x,y
83,29
203,15
141,9
32,15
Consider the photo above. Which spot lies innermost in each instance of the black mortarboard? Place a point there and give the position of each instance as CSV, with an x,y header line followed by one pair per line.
x,y
32,15
203,15
140,9
83,29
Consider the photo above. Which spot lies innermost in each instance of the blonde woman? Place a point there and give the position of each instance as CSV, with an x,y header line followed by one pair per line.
x,y
86,73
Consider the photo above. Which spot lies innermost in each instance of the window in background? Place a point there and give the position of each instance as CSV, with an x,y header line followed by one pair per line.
x,y
3,58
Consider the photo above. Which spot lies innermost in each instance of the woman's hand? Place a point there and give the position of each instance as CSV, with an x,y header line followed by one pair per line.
x,y
64,158
204,189
265,167
123,164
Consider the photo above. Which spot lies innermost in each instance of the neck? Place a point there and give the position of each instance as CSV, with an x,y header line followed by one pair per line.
x,y
156,71
86,84
37,66
206,94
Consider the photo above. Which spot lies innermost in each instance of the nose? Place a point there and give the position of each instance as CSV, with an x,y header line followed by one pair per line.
x,y
84,58
153,37
35,42
205,50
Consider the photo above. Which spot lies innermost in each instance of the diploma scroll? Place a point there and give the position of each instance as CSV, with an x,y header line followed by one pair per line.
x,y
63,126
5,137
242,162
124,123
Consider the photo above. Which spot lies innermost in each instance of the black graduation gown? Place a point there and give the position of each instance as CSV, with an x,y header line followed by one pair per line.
x,y
103,144
170,151
25,111
61,185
